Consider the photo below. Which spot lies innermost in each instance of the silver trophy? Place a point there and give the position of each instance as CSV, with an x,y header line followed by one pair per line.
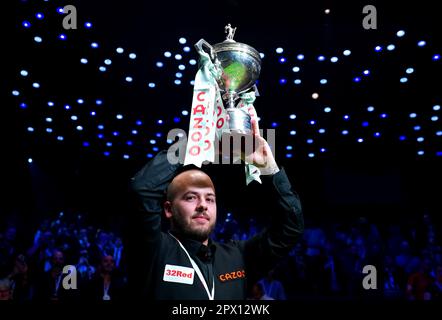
x,y
240,65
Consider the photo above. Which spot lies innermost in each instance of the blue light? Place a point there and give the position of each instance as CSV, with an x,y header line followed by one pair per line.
x,y
297,81
182,40
186,49
292,116
23,105
60,10
93,113
159,64
321,130
156,149
360,140
309,141
134,132
60,138
321,58
106,153
151,85
434,118
152,141
383,115
98,102
312,122
30,129
417,128
48,119
119,116
300,57
15,93
344,132
192,82
67,107
282,81
177,82
365,124
370,109
36,85
100,136
400,33
80,101
378,48
24,73
279,50
366,72
403,80
413,115
132,56
439,133
391,47
436,57
158,135
274,124
108,144
167,54
48,130
289,147
421,43
139,122
29,160
119,50
86,144
402,138
181,67
323,81
88,25
292,132
26,24
357,79
377,134
282,60
160,121
311,155
262,55
288,155
438,153
100,127
129,79
192,62
436,107
62,36
178,74
115,133
38,39
94,45
334,59
79,128
184,112
409,70
39,15
296,69
176,119
346,117
420,153
83,60
420,139
102,69
126,156
347,52
108,62
178,57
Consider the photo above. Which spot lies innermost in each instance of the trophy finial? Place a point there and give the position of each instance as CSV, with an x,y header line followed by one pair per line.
x,y
230,32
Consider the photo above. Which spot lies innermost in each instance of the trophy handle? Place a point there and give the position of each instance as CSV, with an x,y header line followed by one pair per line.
x,y
203,45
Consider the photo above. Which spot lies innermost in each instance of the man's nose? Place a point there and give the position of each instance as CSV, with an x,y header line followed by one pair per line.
x,y
202,205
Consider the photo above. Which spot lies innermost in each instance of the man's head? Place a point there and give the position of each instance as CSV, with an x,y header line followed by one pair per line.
x,y
191,205
107,264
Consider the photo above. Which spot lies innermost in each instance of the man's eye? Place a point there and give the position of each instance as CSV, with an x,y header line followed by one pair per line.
x,y
211,199
190,197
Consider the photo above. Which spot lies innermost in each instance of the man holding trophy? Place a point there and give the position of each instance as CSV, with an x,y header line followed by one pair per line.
x,y
185,263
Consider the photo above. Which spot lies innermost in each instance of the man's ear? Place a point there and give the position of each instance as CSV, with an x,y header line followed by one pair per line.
x,y
168,209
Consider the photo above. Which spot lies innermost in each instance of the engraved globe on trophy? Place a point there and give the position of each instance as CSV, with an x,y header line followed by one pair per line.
x,y
240,65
